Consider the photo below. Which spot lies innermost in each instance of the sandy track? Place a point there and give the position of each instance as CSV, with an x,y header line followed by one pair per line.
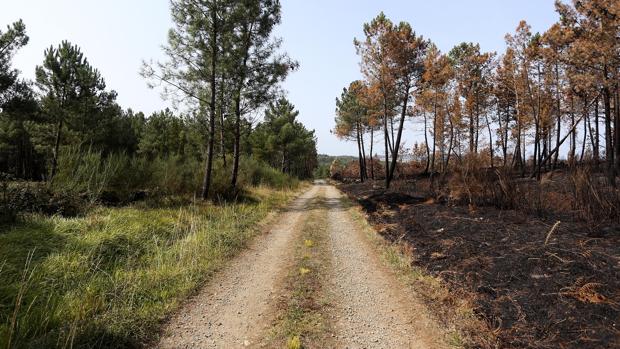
x,y
370,307
237,305
373,309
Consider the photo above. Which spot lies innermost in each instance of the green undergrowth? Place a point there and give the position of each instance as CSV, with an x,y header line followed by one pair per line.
x,y
108,279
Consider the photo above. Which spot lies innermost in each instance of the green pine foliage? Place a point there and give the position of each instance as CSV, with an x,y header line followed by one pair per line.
x,y
102,234
284,142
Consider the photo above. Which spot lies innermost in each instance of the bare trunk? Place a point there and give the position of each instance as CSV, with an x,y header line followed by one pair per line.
x,y
609,147
585,131
237,141
596,144
363,152
428,150
221,119
491,154
56,150
573,138
359,152
240,83
206,184
399,134
617,130
372,141
558,107
451,145
386,137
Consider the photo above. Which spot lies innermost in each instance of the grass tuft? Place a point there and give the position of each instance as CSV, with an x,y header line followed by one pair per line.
x,y
108,279
294,343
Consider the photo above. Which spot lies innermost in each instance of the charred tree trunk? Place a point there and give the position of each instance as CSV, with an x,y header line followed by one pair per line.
x,y
491,154
558,107
609,146
372,165
399,134
359,152
363,152
596,143
428,150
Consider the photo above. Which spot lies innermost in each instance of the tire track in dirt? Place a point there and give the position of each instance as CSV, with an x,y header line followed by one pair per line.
x,y
236,308
368,307
372,308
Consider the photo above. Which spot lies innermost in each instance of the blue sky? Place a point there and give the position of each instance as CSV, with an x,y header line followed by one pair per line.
x,y
116,35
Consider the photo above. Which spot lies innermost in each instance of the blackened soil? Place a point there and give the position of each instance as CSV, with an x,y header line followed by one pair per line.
x,y
563,294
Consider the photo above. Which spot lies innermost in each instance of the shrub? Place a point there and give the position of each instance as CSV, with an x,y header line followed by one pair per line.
x,y
8,212
592,198
85,173
252,172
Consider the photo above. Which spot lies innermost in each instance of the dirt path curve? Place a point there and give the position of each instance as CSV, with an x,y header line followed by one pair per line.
x,y
237,306
370,308
373,308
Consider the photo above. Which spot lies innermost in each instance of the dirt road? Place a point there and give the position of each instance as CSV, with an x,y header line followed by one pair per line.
x,y
367,306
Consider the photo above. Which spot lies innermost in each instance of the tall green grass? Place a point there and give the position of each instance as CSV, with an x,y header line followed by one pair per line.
x,y
109,278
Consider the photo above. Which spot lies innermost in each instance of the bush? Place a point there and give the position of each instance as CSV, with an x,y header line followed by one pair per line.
x,y
8,212
87,177
85,173
252,172
593,199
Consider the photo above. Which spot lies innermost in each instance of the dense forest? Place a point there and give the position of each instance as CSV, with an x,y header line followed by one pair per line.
x,y
134,211
549,94
67,130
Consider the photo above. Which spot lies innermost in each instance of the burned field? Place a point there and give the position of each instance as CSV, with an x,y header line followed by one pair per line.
x,y
533,284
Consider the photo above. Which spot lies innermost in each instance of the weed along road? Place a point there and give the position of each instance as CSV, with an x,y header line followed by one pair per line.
x,y
315,279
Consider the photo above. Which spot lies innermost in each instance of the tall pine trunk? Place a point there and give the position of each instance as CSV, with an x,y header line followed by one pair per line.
x,y
596,144
372,164
585,129
609,148
221,120
617,130
428,149
237,141
56,150
206,183
359,153
399,134
491,154
386,136
363,152
558,107
237,131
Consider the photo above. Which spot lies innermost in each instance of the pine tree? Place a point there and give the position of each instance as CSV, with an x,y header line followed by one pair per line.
x,y
71,86
253,64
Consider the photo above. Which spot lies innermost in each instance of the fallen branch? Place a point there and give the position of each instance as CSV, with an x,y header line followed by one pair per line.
x,y
551,232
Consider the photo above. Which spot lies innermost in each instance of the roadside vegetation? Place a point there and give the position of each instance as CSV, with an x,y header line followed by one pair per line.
x,y
107,279
109,218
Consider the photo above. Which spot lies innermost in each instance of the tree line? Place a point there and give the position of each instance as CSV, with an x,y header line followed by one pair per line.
x,y
224,66
514,110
